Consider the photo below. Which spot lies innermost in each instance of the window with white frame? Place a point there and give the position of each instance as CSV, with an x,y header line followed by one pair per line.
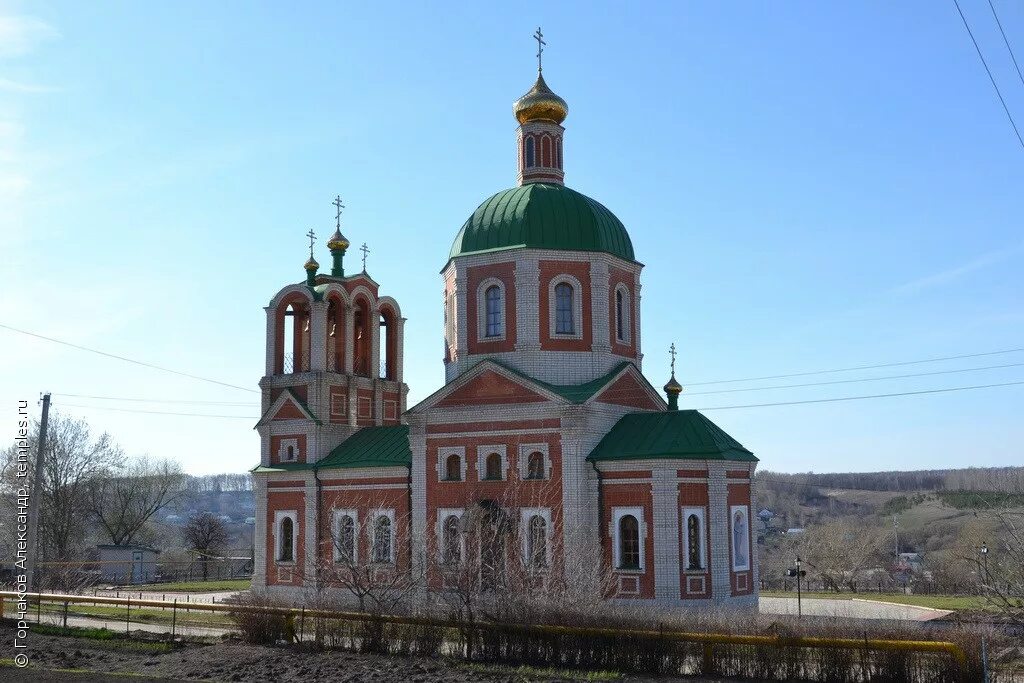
x,y
288,451
535,531
533,462
346,536
622,328
628,537
451,464
565,307
286,531
337,404
491,309
694,557
491,462
739,516
450,542
383,537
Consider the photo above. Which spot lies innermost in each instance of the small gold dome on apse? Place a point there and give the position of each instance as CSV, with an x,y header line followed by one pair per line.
x,y
540,104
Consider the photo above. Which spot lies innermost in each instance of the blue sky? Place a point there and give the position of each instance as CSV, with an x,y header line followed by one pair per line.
x,y
810,185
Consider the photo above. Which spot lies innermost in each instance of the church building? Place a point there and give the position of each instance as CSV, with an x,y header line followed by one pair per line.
x,y
546,434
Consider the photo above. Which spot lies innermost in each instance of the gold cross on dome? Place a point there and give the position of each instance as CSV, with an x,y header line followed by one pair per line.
x,y
312,239
539,37
337,214
366,250
672,352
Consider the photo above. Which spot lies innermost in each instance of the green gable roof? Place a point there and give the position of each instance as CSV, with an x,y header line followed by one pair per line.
x,y
372,447
682,434
543,216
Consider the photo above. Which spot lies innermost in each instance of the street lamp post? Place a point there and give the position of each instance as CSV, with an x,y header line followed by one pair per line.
x,y
984,557
799,606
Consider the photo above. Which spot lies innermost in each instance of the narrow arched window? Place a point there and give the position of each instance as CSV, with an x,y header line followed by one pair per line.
x,y
629,542
287,553
346,539
291,453
620,315
537,542
382,540
492,297
693,543
529,153
535,465
558,150
545,151
492,466
564,322
451,544
453,468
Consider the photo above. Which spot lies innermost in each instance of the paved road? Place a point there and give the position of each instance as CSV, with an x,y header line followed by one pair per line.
x,y
850,609
215,596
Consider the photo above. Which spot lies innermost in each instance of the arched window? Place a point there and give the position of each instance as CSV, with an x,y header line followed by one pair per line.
x,y
287,551
629,542
535,465
346,542
545,151
362,343
537,542
492,466
558,151
453,468
382,539
529,153
564,323
620,315
492,297
291,453
451,544
693,543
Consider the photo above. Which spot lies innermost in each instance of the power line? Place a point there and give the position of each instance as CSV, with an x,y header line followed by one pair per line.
x,y
157,400
989,72
857,367
1007,41
158,412
127,360
861,398
863,379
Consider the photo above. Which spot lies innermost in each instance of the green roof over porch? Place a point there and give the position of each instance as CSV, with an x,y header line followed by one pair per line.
x,y
369,447
675,434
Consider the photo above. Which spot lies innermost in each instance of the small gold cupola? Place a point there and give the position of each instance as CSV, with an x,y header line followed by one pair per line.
x,y
540,113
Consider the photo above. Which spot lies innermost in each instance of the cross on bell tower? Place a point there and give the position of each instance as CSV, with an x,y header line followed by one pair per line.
x,y
673,388
539,37
366,250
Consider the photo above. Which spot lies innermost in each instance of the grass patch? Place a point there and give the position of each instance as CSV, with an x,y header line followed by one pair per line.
x,y
530,673
194,586
101,636
141,615
945,602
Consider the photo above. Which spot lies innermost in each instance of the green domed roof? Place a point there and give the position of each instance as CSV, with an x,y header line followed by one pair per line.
x,y
543,216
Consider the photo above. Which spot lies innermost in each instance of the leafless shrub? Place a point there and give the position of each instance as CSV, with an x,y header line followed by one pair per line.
x,y
261,627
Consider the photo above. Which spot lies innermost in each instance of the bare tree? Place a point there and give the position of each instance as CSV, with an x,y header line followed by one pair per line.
x,y
205,534
72,460
126,499
841,552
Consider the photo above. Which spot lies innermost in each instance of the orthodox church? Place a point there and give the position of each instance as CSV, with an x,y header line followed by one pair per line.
x,y
545,428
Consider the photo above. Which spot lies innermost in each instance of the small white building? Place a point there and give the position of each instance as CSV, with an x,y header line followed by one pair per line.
x,y
127,564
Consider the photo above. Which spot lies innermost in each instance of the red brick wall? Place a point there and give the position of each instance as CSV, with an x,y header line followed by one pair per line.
x,y
390,405
549,270
489,388
364,407
629,495
338,393
366,502
288,411
619,276
350,285
286,500
299,390
505,272
275,447
694,495
739,494
627,391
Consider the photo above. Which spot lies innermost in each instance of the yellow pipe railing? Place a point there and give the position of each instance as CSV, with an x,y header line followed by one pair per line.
x,y
932,646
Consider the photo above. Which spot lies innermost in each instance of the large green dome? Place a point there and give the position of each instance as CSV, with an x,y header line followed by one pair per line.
x,y
543,216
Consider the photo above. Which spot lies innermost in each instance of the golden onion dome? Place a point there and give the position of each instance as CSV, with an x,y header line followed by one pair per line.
x,y
311,264
540,104
673,387
337,241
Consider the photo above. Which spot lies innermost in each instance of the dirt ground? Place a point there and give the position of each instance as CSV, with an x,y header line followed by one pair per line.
x,y
60,658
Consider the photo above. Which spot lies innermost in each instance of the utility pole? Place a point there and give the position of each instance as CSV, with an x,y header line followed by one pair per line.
x,y
37,495
896,531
